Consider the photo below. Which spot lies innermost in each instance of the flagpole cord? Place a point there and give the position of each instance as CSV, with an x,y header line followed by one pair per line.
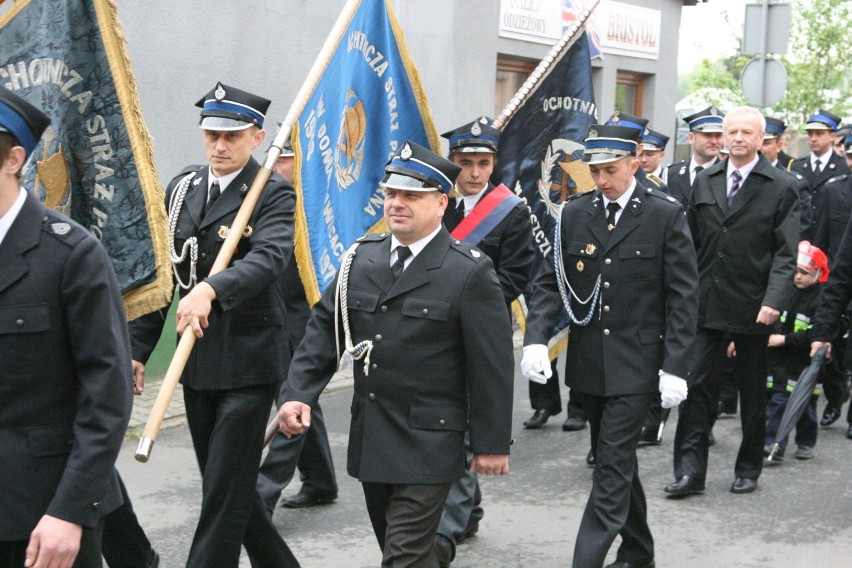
x,y
543,68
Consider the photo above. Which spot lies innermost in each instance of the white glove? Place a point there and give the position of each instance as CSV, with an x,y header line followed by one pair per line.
x,y
672,389
536,364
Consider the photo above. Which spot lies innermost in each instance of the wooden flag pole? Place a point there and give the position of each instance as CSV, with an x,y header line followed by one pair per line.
x,y
543,68
187,340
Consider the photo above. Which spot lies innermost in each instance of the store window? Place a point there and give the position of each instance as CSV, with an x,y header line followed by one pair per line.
x,y
511,74
629,90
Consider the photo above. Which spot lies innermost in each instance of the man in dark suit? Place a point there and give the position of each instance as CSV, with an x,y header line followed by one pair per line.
x,y
773,142
624,269
311,452
65,377
744,218
425,318
818,167
705,138
497,222
238,314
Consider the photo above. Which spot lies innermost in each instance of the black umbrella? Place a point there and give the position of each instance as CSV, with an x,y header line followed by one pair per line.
x,y
799,398
664,416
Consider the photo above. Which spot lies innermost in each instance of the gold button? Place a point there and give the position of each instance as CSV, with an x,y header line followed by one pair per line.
x,y
608,261
606,332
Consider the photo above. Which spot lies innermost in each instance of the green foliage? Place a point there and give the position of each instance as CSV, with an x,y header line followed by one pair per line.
x,y
817,62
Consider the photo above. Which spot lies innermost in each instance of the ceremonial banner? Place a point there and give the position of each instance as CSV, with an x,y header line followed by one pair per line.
x,y
542,145
365,104
95,162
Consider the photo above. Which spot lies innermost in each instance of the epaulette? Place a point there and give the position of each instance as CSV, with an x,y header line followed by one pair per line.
x,y
467,250
372,237
676,164
188,169
661,195
656,180
62,228
574,196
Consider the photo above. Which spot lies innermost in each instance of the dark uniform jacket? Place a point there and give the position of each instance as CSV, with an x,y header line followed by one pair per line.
x,y
785,161
508,245
677,180
746,255
833,214
65,376
788,361
837,293
245,343
441,337
836,166
652,181
645,319
806,219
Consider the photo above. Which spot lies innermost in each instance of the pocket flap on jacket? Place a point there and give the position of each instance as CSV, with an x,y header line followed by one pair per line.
x,y
363,300
47,441
437,418
426,308
32,318
636,250
584,249
647,336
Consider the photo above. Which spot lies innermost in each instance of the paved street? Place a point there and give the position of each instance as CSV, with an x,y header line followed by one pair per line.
x,y
800,516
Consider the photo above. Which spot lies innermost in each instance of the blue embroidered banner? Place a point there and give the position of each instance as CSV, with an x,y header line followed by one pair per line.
x,y
365,105
95,162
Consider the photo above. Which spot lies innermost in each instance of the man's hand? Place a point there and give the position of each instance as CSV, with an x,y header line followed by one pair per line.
x,y
138,377
294,418
776,340
817,344
194,308
767,315
54,543
490,464
535,364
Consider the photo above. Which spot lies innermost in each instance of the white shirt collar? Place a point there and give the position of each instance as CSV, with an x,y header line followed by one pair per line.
x,y
224,181
12,214
693,164
623,199
416,247
744,170
822,159
470,201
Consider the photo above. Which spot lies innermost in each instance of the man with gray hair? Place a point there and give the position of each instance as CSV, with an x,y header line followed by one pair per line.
x,y
744,218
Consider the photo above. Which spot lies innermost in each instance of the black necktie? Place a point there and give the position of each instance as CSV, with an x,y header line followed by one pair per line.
x,y
735,187
460,207
215,192
818,166
696,170
401,254
611,209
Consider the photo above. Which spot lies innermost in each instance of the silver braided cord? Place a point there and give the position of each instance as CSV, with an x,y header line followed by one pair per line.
x,y
341,308
562,280
191,244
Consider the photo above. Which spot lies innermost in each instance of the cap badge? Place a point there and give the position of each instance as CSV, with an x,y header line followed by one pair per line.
x,y
219,93
406,152
580,266
714,111
590,249
615,117
60,228
476,130
593,132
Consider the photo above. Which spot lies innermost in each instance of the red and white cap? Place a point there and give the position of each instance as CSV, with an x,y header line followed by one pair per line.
x,y
813,260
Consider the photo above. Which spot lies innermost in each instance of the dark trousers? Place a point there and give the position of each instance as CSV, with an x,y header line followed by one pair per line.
x,y
834,374
405,519
125,544
616,505
547,396
227,428
693,426
806,426
310,451
462,506
13,553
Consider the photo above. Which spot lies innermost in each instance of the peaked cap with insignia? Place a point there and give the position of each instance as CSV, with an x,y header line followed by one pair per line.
x,y
630,121
823,120
415,168
22,120
476,136
774,128
654,140
608,143
707,120
228,108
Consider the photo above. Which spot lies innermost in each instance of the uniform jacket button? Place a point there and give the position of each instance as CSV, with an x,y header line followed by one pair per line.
x,y
379,338
384,308
372,396
96,505
608,261
606,284
203,255
606,308
441,422
202,233
374,366
425,311
606,332
19,322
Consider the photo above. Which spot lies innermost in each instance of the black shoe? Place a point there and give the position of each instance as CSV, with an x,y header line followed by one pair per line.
x,y
742,485
590,459
573,424
154,561
623,564
444,551
648,437
849,432
829,415
777,459
686,485
302,500
538,419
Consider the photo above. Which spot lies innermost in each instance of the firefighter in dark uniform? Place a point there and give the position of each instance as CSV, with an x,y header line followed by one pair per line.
x,y
497,222
65,376
641,124
773,142
653,153
624,268
705,138
238,314
818,168
425,318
